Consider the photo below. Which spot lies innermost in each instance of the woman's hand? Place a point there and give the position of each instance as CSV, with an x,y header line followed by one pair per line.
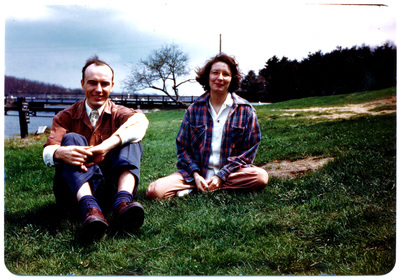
x,y
201,183
214,183
211,185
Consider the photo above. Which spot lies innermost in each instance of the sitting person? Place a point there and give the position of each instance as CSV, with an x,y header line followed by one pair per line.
x,y
218,139
95,139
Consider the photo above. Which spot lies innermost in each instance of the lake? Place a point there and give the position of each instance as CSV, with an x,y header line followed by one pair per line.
x,y
11,123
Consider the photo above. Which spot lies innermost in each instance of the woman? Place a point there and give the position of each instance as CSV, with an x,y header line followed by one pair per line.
x,y
218,138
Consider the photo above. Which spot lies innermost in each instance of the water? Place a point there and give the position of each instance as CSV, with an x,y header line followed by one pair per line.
x,y
11,123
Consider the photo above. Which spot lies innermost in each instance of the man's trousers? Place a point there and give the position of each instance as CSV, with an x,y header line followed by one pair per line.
x,y
103,178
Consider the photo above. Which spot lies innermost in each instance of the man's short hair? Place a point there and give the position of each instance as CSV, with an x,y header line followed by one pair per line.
x,y
95,60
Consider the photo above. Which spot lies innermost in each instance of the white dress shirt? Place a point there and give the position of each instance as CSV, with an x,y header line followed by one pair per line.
x,y
89,110
219,121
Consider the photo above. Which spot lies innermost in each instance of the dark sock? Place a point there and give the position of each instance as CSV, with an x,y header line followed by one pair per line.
x,y
86,202
122,196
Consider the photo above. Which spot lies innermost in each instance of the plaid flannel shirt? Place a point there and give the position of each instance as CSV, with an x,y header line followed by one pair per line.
x,y
240,140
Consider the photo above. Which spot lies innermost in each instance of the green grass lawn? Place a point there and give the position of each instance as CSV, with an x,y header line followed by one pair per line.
x,y
339,220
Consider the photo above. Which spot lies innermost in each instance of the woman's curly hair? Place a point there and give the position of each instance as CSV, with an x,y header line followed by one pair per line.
x,y
203,73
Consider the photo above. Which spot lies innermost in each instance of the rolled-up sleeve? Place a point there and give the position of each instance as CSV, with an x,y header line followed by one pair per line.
x,y
134,129
48,155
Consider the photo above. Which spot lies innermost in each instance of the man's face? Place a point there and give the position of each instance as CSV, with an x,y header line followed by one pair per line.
x,y
97,85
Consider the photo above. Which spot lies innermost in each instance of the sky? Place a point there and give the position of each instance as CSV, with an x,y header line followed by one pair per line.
x,y
50,43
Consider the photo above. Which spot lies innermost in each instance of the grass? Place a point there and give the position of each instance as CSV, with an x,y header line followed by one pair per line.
x,y
334,100
339,220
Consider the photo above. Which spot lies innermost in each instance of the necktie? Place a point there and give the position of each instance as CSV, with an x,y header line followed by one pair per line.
x,y
94,116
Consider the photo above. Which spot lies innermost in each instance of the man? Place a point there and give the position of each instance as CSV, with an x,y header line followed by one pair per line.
x,y
94,142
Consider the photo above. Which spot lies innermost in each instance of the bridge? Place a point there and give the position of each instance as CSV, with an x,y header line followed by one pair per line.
x,y
57,102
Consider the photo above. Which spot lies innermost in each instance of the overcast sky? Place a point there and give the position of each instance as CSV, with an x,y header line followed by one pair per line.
x,y
50,43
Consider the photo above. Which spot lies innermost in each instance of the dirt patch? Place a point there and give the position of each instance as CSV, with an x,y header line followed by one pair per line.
x,y
345,112
290,169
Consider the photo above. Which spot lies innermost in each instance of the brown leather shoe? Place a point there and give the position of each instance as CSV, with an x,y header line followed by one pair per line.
x,y
129,216
94,224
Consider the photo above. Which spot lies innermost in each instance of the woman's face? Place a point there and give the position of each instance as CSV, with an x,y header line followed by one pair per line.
x,y
220,77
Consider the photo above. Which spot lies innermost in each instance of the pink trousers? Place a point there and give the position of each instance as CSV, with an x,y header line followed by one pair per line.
x,y
247,179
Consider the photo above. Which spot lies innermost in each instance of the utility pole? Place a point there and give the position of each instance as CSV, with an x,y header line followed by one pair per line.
x,y
220,43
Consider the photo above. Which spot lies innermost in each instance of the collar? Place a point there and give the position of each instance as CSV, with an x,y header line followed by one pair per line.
x,y
89,110
236,100
227,103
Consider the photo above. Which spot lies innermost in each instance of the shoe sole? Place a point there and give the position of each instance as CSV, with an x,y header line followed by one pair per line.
x,y
95,229
132,218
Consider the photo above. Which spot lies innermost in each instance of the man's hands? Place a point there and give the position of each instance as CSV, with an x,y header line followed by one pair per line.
x,y
86,156
74,155
202,185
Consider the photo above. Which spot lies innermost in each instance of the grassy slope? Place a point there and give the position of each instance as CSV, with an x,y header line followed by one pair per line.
x,y
340,220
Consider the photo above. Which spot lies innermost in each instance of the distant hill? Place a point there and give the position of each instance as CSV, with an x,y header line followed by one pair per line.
x,y
20,85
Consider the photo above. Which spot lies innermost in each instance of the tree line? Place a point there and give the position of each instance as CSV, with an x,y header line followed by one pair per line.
x,y
21,85
343,70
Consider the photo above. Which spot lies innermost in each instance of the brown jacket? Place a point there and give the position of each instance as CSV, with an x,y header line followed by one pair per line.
x,y
75,119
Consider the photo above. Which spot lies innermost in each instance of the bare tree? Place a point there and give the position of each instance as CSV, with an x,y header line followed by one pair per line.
x,y
161,71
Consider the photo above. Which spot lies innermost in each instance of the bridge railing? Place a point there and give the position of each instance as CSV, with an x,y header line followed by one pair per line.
x,y
65,98
46,97
149,98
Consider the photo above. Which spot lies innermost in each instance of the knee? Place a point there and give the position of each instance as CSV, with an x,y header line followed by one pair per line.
x,y
73,138
134,147
262,179
153,192
128,154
